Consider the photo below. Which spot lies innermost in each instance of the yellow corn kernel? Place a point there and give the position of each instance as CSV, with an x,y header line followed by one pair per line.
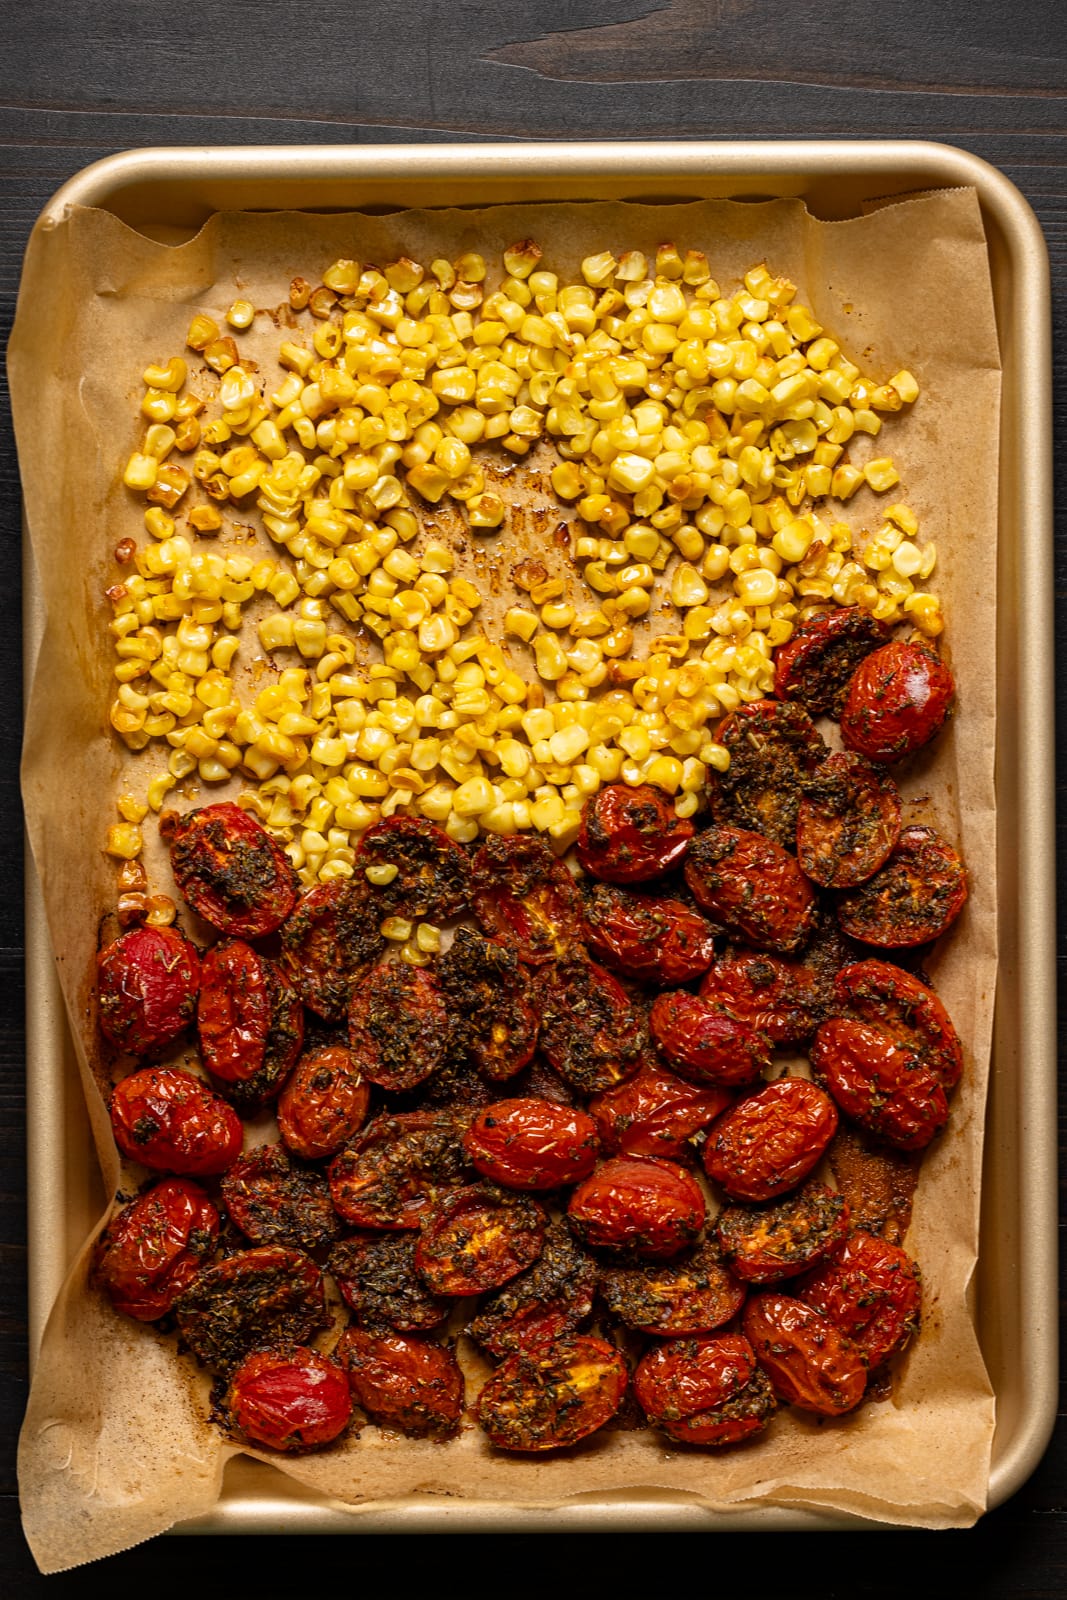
x,y
124,841
880,474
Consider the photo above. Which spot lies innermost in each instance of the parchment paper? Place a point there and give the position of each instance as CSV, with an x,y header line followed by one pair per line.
x,y
116,1446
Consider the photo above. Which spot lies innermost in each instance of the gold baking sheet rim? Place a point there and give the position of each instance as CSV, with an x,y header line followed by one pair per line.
x,y
169,193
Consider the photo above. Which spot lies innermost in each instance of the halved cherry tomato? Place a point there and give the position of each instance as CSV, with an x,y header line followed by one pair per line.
x,y
695,1295
771,1140
170,1121
639,1204
276,1200
230,870
521,892
249,1022
154,1247
547,1301
815,666
433,876
764,1244
775,750
656,1114
402,1382
147,983
630,835
811,1365
290,1399
271,1295
590,1031
704,1391
646,936
323,1104
397,1025
376,1276
919,892
848,822
532,1144
329,942
389,1174
752,886
879,992
477,1238
551,1395
705,1046
493,1014
871,1293
782,999
884,1086
898,700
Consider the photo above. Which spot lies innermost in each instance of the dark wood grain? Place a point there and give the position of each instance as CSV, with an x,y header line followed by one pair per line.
x,y
81,80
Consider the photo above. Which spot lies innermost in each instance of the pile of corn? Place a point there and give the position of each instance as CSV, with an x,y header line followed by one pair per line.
x,y
696,437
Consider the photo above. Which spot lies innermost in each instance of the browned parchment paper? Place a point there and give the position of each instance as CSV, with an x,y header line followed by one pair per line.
x,y
116,1446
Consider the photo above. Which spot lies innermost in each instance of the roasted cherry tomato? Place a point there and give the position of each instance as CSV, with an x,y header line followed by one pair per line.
x,y
770,1141
775,750
752,887
493,1015
276,1200
881,993
779,998
433,877
409,1384
703,1045
810,1364
330,941
272,1295
764,1244
323,1104
848,822
147,983
871,1292
815,666
656,1114
477,1238
547,1301
376,1276
898,700
638,1204
629,835
590,1031
550,1395
389,1174
154,1247
532,1144
289,1399
230,870
919,892
704,1391
695,1295
170,1121
523,894
884,1086
249,1022
646,936
397,1025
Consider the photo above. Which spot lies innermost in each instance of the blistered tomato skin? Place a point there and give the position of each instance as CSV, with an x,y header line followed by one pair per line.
x,y
478,1237
154,1247
170,1121
402,1382
656,1114
765,1244
590,1031
769,1142
290,1400
884,1086
912,899
694,1295
809,1363
871,1292
648,937
848,822
704,1391
250,1023
881,993
631,835
523,894
391,1172
817,663
397,1026
433,876
323,1104
329,943
272,1295
548,1396
147,983
766,993
702,1045
898,700
532,1144
230,870
752,887
649,1208
775,751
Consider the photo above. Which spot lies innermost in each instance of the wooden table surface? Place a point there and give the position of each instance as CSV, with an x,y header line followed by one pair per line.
x,y
83,79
